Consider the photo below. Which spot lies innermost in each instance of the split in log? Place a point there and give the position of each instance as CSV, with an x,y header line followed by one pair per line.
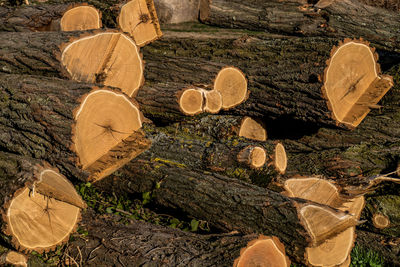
x,y
325,18
33,220
264,251
47,17
109,243
255,157
13,258
85,131
336,250
177,11
232,85
380,221
139,19
108,58
252,129
352,91
292,73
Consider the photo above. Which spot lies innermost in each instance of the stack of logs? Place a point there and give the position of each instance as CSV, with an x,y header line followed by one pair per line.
x,y
259,117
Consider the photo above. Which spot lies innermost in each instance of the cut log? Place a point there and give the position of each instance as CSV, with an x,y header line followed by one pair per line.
x,y
229,204
92,58
213,101
351,92
110,243
255,157
380,221
280,158
232,85
334,251
288,88
13,258
139,19
45,17
252,129
177,11
40,207
191,101
86,132
264,251
325,18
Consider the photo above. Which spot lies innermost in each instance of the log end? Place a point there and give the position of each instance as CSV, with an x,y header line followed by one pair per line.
x,y
252,129
255,157
280,158
81,18
108,58
353,83
264,251
213,101
191,101
380,221
139,19
16,259
232,84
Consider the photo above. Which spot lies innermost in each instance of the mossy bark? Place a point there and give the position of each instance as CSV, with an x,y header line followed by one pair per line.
x,y
37,118
144,244
342,19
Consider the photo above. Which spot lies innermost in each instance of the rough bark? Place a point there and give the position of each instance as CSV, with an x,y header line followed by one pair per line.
x,y
37,119
32,18
177,11
279,69
341,19
393,5
34,53
139,243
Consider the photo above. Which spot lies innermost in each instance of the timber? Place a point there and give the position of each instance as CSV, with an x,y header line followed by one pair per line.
x,y
40,208
45,17
86,133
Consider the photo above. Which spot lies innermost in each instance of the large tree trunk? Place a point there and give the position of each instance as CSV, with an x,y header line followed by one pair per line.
x,y
333,18
114,244
279,69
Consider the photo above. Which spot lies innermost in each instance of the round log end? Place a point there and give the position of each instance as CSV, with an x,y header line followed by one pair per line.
x,y
213,101
139,19
352,82
108,58
16,259
280,158
191,101
106,132
232,84
252,129
380,221
81,18
264,251
255,157
39,220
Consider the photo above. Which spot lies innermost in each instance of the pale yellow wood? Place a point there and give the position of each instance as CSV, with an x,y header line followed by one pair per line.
x,y
232,84
103,120
280,158
258,157
213,101
191,101
251,129
112,59
380,221
16,259
80,18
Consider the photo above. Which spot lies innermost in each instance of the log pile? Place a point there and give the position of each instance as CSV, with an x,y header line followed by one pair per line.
x,y
275,125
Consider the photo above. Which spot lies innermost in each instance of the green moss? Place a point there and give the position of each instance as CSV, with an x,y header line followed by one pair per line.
x,y
170,162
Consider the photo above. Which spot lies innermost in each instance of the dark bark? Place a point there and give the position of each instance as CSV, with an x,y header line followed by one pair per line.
x,y
33,17
348,18
142,244
283,72
393,5
34,53
37,119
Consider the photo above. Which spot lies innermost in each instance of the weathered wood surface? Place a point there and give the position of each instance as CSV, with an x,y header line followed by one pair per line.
x,y
347,18
139,243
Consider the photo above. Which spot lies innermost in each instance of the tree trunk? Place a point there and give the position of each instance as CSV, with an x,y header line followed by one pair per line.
x,y
142,243
34,18
279,69
341,19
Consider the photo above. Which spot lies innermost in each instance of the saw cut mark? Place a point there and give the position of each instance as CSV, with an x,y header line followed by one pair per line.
x,y
264,251
232,85
112,59
80,18
103,120
353,84
39,222
138,21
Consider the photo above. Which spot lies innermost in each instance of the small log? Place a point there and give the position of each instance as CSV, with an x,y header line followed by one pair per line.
x,y
252,129
288,87
14,258
263,251
110,243
90,57
85,131
324,18
40,208
255,157
139,19
232,85
191,101
45,17
380,221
